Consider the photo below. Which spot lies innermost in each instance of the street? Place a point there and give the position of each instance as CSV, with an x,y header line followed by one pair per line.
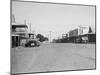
x,y
53,57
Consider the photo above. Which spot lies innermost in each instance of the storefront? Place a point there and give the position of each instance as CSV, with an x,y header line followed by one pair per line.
x,y
19,34
15,40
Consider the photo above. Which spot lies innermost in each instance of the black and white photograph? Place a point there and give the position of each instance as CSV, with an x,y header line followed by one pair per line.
x,y
52,37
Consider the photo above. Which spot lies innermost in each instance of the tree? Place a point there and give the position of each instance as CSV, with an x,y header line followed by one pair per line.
x,y
41,37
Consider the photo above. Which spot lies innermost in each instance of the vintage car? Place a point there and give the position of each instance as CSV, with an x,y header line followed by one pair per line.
x,y
78,40
32,43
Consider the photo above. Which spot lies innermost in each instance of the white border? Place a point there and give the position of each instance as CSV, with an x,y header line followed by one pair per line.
x,y
5,37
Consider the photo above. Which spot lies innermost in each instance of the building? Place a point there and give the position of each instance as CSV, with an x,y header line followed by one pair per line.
x,y
64,36
19,34
82,34
89,38
73,33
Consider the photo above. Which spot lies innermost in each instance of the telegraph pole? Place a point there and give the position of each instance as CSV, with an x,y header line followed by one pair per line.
x,y
13,19
25,22
30,27
50,35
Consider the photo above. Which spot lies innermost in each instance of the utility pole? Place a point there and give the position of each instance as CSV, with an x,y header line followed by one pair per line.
x,y
50,35
13,19
25,22
30,27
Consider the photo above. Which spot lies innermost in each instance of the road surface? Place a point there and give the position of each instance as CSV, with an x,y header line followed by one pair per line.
x,y
53,57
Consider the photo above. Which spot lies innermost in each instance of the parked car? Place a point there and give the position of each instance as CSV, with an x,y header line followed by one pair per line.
x,y
32,43
78,40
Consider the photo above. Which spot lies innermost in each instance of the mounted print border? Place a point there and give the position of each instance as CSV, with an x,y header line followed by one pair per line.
x,y
52,37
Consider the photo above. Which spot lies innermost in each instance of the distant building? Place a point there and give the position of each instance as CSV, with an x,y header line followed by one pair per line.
x,y
82,34
64,36
80,31
73,33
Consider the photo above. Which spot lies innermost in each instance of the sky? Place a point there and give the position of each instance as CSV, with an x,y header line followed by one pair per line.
x,y
53,19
